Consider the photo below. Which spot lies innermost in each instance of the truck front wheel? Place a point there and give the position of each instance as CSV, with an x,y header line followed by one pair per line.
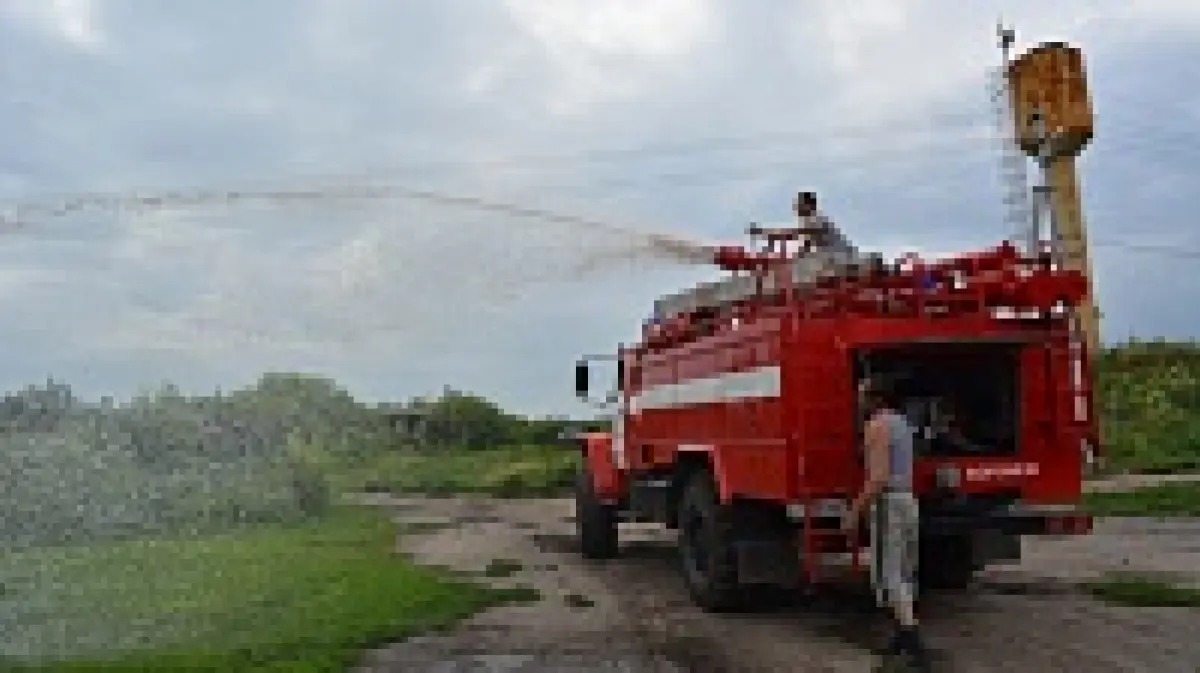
x,y
595,521
706,545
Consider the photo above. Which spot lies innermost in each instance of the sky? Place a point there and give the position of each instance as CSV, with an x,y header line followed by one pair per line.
x,y
692,118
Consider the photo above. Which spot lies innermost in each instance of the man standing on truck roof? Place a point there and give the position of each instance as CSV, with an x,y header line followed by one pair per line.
x,y
888,495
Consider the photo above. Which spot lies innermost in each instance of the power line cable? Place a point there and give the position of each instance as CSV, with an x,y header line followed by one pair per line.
x,y
969,133
896,155
1153,249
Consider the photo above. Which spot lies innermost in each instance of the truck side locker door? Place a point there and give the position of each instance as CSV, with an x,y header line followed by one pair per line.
x,y
823,403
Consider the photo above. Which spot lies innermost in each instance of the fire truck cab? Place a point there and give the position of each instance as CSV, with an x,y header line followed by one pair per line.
x,y
736,423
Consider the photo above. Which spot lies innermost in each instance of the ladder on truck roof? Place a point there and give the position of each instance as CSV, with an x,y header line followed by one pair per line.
x,y
806,271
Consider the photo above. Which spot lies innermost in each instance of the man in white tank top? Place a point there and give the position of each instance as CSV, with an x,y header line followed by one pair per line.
x,y
823,234
817,232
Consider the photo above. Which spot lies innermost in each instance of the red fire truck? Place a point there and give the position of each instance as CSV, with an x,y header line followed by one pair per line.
x,y
736,424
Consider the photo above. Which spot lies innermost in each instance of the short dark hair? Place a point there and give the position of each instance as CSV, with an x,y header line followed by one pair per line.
x,y
806,198
881,390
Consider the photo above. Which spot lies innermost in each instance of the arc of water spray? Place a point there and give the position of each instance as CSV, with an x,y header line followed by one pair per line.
x,y
664,246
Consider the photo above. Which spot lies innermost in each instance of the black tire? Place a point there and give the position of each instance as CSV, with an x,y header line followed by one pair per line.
x,y
946,563
706,546
595,522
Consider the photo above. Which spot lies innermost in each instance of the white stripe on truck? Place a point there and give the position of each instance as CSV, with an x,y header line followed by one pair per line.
x,y
758,383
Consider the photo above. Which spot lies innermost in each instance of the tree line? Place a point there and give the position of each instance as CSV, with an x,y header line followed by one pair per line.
x,y
312,406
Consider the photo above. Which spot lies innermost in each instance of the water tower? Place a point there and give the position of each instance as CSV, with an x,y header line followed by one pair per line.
x,y
1053,120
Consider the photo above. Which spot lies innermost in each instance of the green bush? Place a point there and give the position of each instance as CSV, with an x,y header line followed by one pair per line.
x,y
1148,400
310,469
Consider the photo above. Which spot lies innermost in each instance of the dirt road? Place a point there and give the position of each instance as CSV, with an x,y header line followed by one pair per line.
x,y
632,614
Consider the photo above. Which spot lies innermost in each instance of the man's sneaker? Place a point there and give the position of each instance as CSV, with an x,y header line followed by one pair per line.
x,y
906,647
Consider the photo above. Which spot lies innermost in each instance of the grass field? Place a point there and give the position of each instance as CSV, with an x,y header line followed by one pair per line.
x,y
304,598
1140,591
1165,500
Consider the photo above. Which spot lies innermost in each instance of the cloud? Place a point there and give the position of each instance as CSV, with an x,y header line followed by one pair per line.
x,y
614,51
72,21
693,118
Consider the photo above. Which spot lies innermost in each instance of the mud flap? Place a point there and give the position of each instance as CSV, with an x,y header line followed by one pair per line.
x,y
767,561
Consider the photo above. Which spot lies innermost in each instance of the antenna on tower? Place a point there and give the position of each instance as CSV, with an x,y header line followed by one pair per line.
x,y
1007,36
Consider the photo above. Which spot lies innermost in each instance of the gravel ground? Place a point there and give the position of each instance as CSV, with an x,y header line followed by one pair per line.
x,y
633,614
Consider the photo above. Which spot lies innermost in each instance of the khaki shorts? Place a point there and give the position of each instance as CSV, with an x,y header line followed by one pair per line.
x,y
895,536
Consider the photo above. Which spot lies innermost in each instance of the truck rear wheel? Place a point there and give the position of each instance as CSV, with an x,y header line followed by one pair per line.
x,y
706,546
946,562
595,521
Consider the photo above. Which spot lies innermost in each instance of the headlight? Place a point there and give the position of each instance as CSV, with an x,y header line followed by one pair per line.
x,y
948,476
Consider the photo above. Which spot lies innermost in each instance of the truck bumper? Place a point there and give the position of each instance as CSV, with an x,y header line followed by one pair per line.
x,y
1016,520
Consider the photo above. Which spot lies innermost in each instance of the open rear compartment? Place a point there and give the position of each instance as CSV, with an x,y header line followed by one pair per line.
x,y
963,397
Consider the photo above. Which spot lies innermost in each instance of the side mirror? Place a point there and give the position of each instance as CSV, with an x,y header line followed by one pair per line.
x,y
581,379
